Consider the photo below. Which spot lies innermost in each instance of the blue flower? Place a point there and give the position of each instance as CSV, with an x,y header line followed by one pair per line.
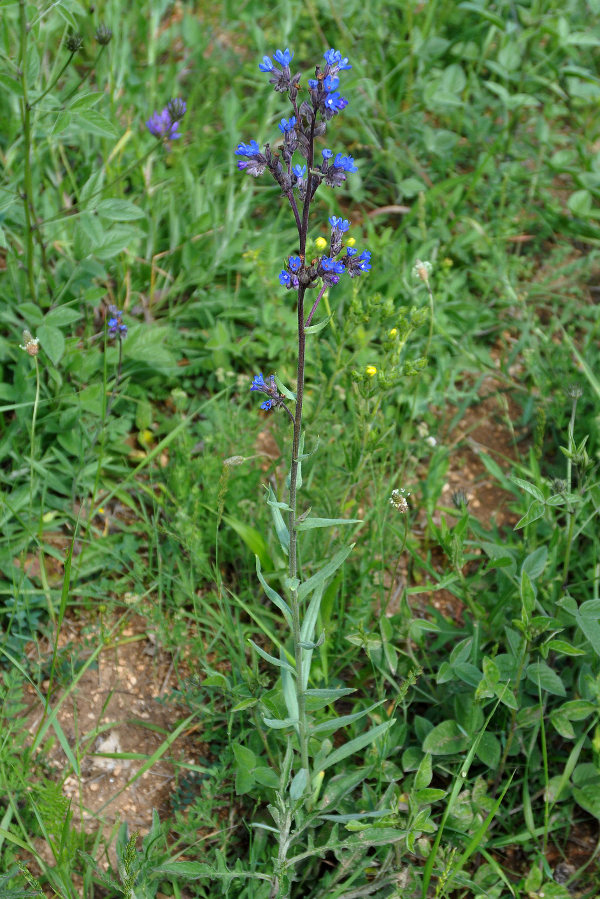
x,y
344,162
266,65
351,251
364,261
313,84
299,171
331,265
334,58
331,83
269,387
285,278
335,102
287,125
251,149
294,262
326,154
339,224
283,57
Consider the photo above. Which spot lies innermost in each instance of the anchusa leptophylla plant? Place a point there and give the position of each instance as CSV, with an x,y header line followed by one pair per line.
x,y
300,167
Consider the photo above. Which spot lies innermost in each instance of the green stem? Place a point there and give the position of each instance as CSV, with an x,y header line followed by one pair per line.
x,y
26,123
52,83
570,511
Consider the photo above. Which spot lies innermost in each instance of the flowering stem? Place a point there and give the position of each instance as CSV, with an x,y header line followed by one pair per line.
x,y
88,74
293,557
53,82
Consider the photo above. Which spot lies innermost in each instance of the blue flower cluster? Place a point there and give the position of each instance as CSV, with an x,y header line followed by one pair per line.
x,y
270,388
115,323
164,125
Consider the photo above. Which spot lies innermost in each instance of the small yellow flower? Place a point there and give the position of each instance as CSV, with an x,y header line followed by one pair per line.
x,y
393,332
371,371
320,243
351,241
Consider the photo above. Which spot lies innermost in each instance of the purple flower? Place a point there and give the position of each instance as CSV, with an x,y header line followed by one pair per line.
x,y
332,265
266,65
299,171
331,83
335,102
162,126
287,125
251,149
294,263
344,162
339,224
283,57
334,59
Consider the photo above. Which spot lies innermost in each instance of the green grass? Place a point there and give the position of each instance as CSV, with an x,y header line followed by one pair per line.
x,y
481,120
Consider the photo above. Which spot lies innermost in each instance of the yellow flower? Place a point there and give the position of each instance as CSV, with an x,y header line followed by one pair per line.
x,y
351,241
393,332
371,371
320,243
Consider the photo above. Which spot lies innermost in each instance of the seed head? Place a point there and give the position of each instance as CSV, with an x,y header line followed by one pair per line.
x,y
30,344
460,500
574,391
422,270
398,500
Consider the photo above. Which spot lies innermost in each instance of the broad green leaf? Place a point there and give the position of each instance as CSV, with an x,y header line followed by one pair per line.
x,y
326,571
424,773
119,210
52,341
535,562
535,511
356,745
266,776
94,122
548,680
565,648
527,593
446,739
489,749
85,101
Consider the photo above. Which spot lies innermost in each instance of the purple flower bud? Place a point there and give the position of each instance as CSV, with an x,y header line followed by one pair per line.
x,y
299,171
327,154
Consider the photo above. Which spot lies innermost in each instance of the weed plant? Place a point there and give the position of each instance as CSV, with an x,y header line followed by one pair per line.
x,y
461,637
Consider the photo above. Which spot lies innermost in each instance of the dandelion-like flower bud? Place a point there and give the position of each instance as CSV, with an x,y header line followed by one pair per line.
x,y
103,35
460,500
74,42
574,391
177,108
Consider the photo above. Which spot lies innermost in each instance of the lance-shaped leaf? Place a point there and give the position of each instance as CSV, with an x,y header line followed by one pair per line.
x,y
289,693
281,528
274,595
318,699
356,745
328,727
326,571
314,329
285,390
280,723
308,523
280,663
